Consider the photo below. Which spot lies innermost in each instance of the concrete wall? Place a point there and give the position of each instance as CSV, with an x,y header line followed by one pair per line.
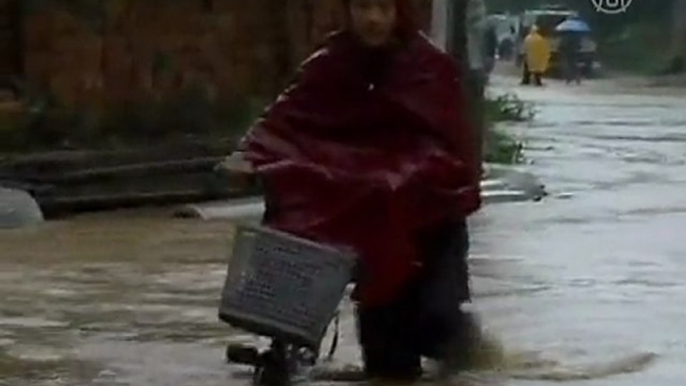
x,y
439,27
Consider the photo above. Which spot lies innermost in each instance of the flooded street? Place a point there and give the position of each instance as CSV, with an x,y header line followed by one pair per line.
x,y
592,278
586,286
125,299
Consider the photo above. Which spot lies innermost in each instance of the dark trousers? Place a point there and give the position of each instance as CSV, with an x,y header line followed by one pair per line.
x,y
425,319
571,69
527,75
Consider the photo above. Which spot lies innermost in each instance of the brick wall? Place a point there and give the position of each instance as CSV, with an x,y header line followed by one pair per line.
x,y
144,47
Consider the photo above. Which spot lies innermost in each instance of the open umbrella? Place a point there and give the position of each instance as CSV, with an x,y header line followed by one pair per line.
x,y
573,25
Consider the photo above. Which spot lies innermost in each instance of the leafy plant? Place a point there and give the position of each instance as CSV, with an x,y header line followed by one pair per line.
x,y
499,145
502,148
191,113
509,108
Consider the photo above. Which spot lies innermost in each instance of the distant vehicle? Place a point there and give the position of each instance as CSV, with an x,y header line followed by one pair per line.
x,y
547,19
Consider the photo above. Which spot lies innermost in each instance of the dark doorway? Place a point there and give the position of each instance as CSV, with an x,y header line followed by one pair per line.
x,y
11,56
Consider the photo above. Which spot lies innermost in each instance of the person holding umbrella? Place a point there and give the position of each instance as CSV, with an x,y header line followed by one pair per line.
x,y
571,32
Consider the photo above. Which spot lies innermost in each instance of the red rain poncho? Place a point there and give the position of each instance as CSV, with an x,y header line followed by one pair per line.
x,y
368,166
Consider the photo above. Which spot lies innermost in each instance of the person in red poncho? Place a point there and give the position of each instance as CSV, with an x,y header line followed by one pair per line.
x,y
370,148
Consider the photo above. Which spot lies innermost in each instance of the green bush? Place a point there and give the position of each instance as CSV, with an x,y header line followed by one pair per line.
x,y
638,48
499,145
191,113
508,108
9,133
501,148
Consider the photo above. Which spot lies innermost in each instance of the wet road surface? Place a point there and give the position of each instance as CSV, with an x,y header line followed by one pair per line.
x,y
585,287
593,277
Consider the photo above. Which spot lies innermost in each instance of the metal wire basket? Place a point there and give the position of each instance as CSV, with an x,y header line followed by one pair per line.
x,y
283,286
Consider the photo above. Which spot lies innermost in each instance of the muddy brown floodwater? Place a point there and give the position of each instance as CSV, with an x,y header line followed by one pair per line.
x,y
126,298
586,287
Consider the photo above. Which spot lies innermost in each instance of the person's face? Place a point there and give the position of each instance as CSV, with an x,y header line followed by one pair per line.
x,y
373,21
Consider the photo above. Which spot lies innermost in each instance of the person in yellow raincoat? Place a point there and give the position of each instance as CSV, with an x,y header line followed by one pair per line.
x,y
537,57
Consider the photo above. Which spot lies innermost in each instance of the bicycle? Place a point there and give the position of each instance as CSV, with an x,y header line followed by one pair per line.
x,y
287,289
276,366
